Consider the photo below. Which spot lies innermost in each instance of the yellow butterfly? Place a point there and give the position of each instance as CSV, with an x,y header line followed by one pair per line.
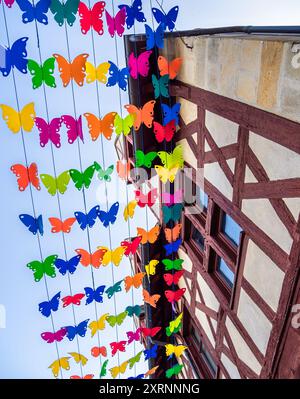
x,y
151,267
177,350
172,159
129,210
115,371
166,174
98,325
79,358
98,73
115,256
16,120
175,323
62,362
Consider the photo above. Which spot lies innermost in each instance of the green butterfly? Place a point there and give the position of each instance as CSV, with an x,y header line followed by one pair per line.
x,y
171,160
103,371
174,331
43,268
113,320
175,370
142,159
161,86
173,264
114,289
53,184
104,174
134,359
172,212
42,73
84,178
123,125
64,11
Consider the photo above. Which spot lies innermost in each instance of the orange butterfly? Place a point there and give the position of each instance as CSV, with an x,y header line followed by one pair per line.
x,y
74,70
99,350
151,371
169,68
151,299
26,175
142,115
173,234
148,236
134,281
97,125
60,225
86,377
94,259
123,169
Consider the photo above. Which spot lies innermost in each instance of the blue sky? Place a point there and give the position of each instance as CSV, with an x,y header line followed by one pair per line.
x,y
23,353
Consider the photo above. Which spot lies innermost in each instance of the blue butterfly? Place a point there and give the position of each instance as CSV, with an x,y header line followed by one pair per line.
x,y
133,12
138,377
117,76
65,266
151,353
171,113
34,224
173,246
168,19
46,307
89,219
34,12
110,216
154,38
94,295
16,57
80,330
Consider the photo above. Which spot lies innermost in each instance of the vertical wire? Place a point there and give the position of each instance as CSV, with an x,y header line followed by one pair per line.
x,y
30,187
57,193
84,199
127,197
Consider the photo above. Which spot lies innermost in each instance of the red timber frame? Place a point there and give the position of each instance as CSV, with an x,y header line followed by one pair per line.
x,y
287,134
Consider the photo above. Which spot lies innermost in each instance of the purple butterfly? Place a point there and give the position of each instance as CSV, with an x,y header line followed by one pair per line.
x,y
110,216
133,336
49,131
74,127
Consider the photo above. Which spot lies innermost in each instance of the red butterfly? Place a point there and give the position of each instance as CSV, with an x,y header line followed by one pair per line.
x,y
148,199
117,346
173,278
91,17
150,332
26,175
164,132
131,247
174,296
99,350
86,377
74,300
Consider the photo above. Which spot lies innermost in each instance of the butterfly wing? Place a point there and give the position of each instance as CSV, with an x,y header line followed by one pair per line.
x,y
148,113
30,222
11,118
113,78
37,73
150,38
64,68
110,216
110,23
47,72
78,68
82,328
22,175
120,19
70,8
123,78
85,17
96,15
129,211
74,128
46,307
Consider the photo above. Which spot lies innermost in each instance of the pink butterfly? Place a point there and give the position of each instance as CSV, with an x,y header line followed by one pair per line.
x,y
171,199
9,3
117,23
57,336
74,127
133,336
49,131
139,65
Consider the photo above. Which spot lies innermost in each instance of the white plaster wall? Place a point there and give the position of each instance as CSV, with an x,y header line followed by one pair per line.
x,y
230,367
263,274
222,130
208,295
188,154
202,319
215,175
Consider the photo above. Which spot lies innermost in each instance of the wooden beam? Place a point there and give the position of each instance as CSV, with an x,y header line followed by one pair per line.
x,y
228,151
286,188
240,166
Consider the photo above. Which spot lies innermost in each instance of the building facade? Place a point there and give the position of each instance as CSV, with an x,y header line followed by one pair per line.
x,y
240,131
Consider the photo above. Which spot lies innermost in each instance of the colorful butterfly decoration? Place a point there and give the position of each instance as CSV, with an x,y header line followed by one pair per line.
x,y
166,19
133,281
35,225
65,11
43,268
49,306
49,132
98,325
91,17
42,73
133,13
19,120
15,57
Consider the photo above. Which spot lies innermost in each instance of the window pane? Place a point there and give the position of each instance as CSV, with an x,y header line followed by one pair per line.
x,y
202,198
209,360
198,238
225,272
231,229
196,336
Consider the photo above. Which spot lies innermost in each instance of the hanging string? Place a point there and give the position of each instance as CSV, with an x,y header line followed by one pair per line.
x,y
57,193
30,188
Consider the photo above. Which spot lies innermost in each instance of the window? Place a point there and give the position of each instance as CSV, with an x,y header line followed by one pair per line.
x,y
230,229
225,272
202,199
198,239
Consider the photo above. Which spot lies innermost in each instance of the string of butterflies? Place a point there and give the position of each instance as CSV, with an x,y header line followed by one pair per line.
x,y
16,58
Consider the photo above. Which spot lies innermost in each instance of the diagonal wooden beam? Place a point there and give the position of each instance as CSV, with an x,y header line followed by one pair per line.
x,y
240,166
